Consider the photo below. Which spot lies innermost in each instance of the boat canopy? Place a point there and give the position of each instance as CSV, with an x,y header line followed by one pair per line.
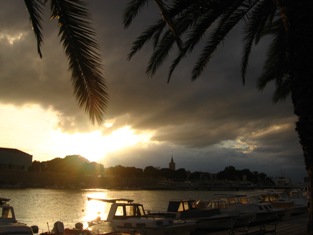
x,y
3,200
116,200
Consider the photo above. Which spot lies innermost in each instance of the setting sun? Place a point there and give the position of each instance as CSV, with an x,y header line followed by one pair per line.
x,y
93,145
48,141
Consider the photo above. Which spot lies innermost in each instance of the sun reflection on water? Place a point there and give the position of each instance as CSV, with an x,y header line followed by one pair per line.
x,y
95,209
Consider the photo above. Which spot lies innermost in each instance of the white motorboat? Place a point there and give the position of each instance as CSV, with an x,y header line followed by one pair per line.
x,y
300,199
15,229
125,216
243,217
284,201
208,220
264,212
8,222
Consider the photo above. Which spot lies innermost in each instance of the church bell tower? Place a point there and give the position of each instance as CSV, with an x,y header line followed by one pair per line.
x,y
172,164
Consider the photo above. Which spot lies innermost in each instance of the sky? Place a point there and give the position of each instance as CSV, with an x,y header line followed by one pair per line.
x,y
205,125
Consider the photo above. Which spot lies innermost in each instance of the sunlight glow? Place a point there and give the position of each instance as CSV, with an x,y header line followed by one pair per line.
x,y
32,129
109,123
248,143
93,145
11,38
26,128
239,144
96,209
271,129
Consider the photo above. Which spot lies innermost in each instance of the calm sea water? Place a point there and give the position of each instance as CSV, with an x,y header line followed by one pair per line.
x,y
43,207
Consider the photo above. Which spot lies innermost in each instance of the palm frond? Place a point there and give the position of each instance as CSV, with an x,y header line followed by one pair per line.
x,y
226,24
162,47
271,16
255,25
203,23
157,35
283,90
205,20
81,48
175,63
34,8
160,53
276,67
168,19
194,20
145,37
132,10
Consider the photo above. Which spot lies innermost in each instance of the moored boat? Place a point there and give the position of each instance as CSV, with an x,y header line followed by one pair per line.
x,y
282,200
18,229
264,212
125,216
208,220
243,217
58,229
8,222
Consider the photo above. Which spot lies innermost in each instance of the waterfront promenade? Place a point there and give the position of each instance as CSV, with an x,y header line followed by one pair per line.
x,y
295,225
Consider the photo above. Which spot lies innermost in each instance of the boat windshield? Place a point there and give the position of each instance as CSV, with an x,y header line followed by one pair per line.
x,y
129,210
136,211
217,204
186,205
6,213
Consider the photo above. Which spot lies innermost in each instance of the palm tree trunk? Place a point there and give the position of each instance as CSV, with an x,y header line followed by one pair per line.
x,y
301,62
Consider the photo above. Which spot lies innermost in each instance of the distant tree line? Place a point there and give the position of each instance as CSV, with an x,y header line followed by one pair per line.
x,y
85,172
230,173
71,165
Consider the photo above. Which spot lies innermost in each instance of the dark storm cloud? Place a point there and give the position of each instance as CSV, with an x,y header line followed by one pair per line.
x,y
193,120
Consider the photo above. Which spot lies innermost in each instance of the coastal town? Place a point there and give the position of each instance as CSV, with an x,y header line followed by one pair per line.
x,y
218,215
74,171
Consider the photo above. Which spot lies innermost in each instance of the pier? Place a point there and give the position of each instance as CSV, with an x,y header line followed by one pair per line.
x,y
295,225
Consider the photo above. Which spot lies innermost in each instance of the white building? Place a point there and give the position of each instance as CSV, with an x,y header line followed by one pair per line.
x,y
282,181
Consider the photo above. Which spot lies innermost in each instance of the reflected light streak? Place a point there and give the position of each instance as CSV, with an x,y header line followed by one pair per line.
x,y
96,209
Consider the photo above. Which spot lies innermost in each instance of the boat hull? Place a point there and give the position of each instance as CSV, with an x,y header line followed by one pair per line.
x,y
15,229
215,223
132,227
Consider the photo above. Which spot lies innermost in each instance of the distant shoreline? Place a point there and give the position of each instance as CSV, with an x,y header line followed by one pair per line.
x,y
191,188
55,180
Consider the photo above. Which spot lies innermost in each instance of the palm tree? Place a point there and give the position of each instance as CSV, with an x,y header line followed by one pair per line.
x,y
81,48
289,58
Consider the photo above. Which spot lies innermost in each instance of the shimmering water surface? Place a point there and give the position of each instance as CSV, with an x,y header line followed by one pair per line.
x,y
43,207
